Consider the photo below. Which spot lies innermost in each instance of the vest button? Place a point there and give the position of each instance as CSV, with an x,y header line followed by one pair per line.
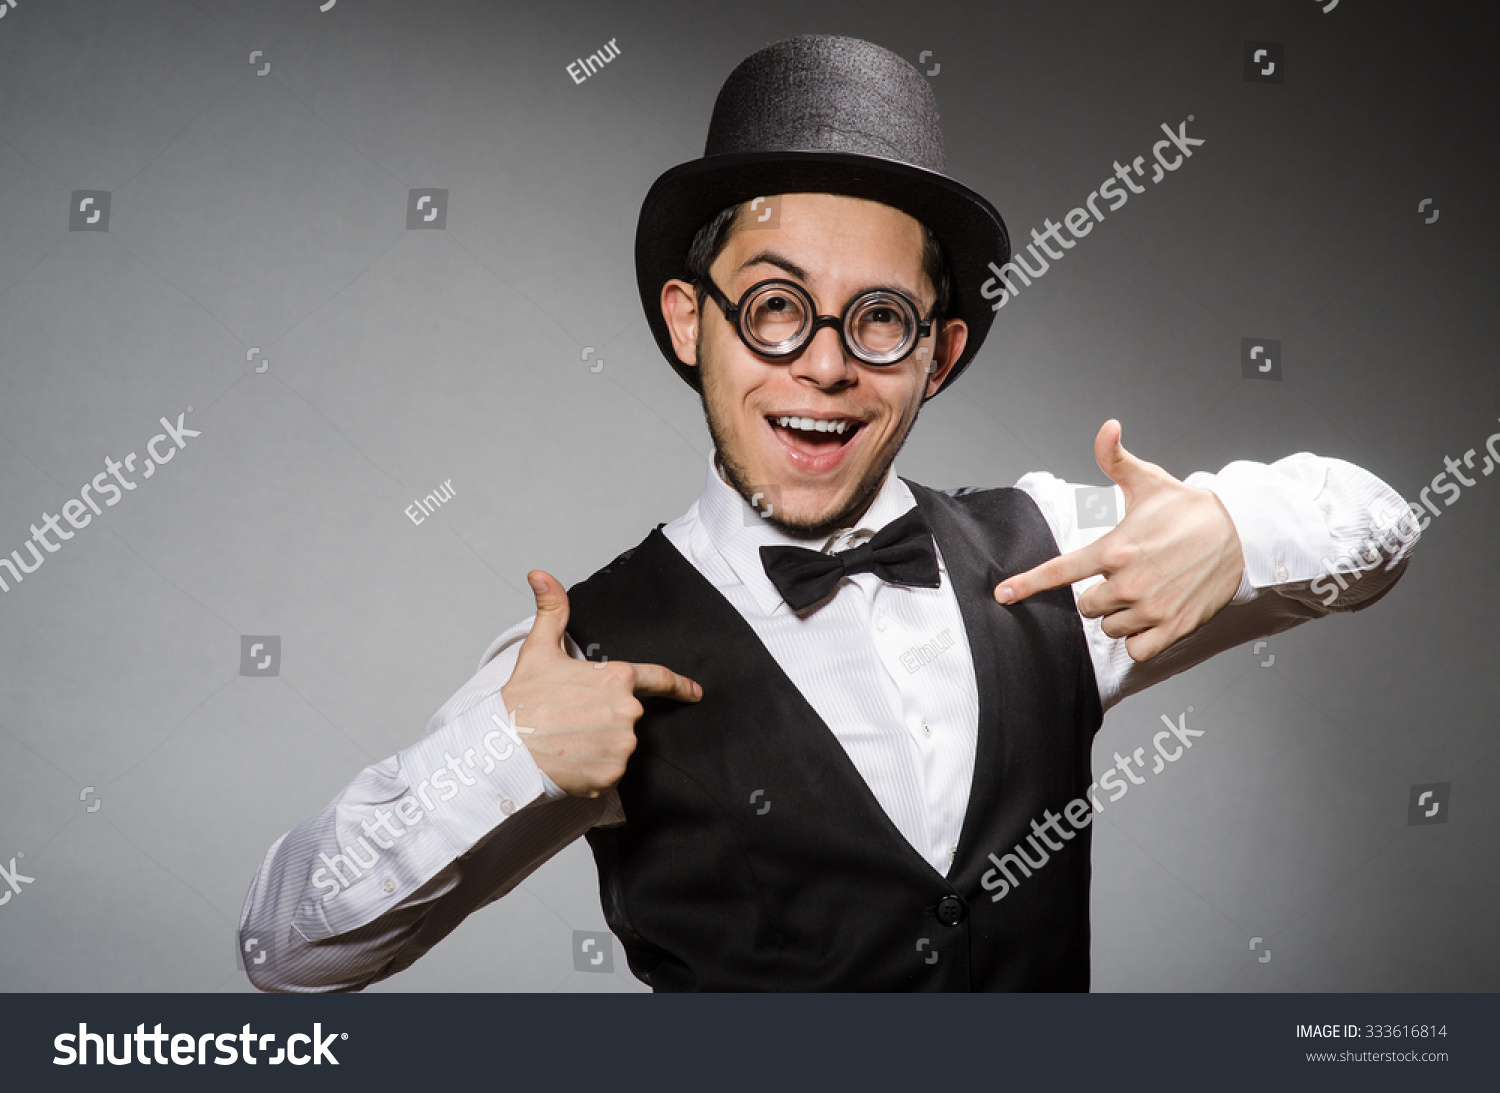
x,y
951,910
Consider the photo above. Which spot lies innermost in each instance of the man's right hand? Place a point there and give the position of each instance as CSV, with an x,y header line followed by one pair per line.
x,y
578,717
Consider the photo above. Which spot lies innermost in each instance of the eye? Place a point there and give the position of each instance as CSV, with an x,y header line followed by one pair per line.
x,y
881,326
775,318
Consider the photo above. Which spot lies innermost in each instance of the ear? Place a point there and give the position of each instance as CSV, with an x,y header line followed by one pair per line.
x,y
950,346
679,306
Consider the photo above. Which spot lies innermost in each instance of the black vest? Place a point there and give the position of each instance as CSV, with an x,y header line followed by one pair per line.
x,y
709,889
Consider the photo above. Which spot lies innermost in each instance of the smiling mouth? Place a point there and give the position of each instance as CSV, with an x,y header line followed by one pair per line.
x,y
814,436
816,446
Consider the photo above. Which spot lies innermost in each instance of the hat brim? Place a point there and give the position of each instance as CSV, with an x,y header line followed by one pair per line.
x,y
684,198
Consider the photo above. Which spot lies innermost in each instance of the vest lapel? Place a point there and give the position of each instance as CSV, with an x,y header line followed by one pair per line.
x,y
974,573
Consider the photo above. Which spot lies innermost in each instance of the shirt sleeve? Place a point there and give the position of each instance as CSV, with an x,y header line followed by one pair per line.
x,y
1319,535
413,845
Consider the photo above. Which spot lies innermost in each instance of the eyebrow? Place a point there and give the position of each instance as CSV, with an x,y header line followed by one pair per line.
x,y
786,265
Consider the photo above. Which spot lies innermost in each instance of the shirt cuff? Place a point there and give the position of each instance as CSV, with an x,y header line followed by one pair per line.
x,y
550,789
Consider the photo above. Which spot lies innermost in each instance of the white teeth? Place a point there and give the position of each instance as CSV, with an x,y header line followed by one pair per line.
x,y
809,424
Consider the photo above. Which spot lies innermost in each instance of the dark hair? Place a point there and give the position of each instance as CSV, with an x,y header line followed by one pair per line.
x,y
713,237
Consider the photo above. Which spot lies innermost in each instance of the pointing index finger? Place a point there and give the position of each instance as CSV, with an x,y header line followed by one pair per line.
x,y
1065,569
654,679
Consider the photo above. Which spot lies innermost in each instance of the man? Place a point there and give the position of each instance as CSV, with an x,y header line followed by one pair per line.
x,y
825,703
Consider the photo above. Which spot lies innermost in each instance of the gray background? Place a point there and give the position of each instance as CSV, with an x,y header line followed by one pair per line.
x,y
270,212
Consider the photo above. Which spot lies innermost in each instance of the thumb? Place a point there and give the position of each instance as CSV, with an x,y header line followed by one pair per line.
x,y
1125,470
551,613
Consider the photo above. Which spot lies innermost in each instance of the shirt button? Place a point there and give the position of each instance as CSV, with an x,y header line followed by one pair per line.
x,y
926,729
880,623
950,910
390,885
507,806
1281,573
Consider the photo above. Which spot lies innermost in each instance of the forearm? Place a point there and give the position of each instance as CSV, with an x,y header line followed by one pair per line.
x,y
409,848
1317,530
340,897
1300,520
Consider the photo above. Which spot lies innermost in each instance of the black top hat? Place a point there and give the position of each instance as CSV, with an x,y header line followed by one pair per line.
x,y
822,114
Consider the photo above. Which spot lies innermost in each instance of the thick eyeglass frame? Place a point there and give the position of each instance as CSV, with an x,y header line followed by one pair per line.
x,y
733,313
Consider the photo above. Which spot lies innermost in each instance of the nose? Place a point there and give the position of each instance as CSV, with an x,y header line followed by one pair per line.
x,y
824,361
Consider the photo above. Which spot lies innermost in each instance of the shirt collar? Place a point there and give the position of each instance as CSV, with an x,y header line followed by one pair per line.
x,y
737,530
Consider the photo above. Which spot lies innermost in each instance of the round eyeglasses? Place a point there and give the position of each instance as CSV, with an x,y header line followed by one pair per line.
x,y
777,318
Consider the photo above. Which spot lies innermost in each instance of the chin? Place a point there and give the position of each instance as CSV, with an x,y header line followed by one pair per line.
x,y
807,523
815,512
801,505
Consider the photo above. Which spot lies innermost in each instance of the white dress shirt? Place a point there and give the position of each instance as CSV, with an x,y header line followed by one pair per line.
x,y
887,668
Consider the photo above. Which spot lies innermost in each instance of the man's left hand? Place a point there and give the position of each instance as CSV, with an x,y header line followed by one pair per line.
x,y
1169,566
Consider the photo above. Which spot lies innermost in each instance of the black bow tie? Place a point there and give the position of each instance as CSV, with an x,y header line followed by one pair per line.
x,y
899,553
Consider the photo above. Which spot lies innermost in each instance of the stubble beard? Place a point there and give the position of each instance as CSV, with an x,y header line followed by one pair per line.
x,y
737,476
